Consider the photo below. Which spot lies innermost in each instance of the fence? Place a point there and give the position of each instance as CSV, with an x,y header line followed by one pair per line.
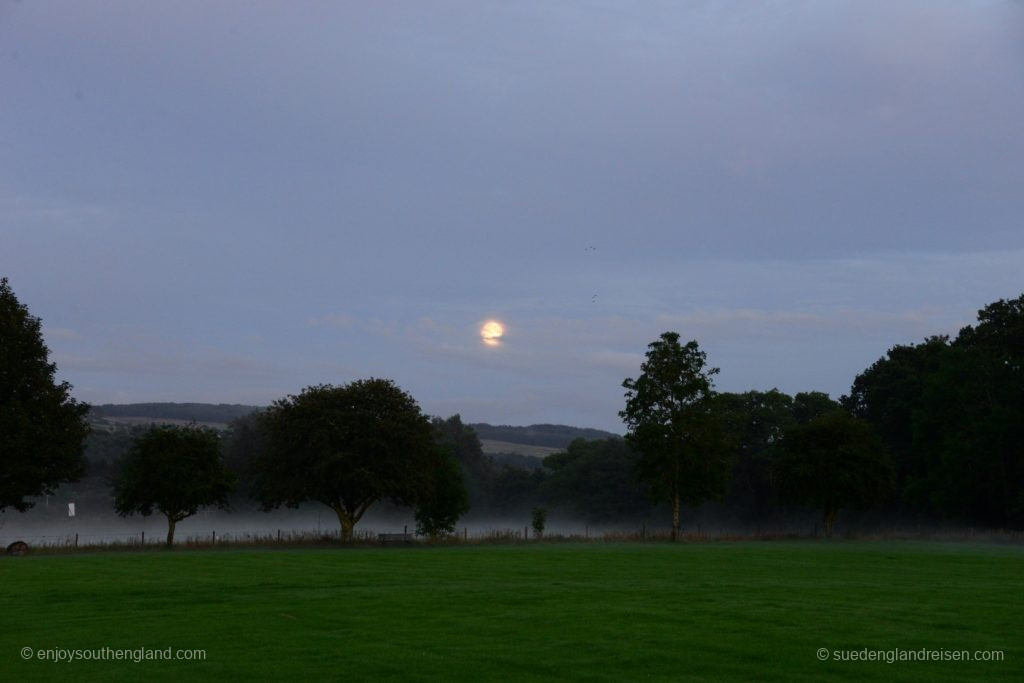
x,y
312,537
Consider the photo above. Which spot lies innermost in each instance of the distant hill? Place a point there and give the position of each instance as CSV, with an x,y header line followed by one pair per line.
x,y
206,413
547,435
543,438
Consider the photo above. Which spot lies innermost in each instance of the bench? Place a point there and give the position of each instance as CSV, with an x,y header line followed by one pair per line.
x,y
395,538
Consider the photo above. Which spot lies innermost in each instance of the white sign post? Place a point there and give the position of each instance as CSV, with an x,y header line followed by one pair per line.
x,y
71,509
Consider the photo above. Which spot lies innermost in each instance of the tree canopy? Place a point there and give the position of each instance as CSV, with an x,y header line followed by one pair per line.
x,y
595,479
174,470
444,499
834,461
42,429
673,424
347,447
952,415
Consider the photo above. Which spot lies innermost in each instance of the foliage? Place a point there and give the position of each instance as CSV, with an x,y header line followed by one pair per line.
x,y
673,424
514,489
347,447
756,421
538,520
462,441
952,415
595,479
834,461
446,499
42,429
243,442
174,470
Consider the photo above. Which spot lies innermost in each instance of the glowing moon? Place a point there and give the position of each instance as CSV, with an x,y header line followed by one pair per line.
x,y
491,332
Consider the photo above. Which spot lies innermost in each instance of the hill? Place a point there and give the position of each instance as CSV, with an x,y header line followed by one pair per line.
x,y
545,435
535,440
208,413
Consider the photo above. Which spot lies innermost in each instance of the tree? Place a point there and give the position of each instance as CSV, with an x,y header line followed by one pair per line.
x,y
42,429
446,499
673,424
478,470
756,421
242,444
538,520
175,470
951,413
595,479
835,461
889,395
347,447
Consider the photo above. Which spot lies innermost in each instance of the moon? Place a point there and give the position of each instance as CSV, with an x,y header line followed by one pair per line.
x,y
491,332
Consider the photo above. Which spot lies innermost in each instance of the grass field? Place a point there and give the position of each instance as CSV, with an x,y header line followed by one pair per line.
x,y
752,610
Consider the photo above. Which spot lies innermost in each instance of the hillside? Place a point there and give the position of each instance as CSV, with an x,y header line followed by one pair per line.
x,y
206,413
534,440
546,435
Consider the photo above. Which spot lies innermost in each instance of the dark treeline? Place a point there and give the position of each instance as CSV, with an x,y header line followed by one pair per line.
x,y
931,432
949,413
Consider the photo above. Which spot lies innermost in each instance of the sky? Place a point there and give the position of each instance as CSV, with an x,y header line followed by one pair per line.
x,y
230,201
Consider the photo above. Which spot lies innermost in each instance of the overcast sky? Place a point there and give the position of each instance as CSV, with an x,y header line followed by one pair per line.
x,y
229,201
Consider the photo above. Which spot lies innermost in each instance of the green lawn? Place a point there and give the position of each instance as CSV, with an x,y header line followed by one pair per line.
x,y
754,611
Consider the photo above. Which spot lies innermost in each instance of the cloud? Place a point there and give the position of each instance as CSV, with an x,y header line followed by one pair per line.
x,y
62,333
335,320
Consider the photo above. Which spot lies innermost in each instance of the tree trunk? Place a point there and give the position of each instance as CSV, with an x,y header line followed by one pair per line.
x,y
830,518
171,522
347,524
675,516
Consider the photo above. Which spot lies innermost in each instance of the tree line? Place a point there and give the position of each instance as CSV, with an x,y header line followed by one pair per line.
x,y
931,430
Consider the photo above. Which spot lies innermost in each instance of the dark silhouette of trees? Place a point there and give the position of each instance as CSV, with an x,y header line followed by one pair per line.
x,y
444,499
242,444
835,461
175,470
952,415
673,424
42,429
347,447
478,470
596,480
755,421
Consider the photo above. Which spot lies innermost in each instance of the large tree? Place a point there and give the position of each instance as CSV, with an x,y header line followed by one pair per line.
x,y
347,447
175,471
835,461
675,426
42,429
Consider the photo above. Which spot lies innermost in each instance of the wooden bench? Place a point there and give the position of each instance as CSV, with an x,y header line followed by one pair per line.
x,y
395,538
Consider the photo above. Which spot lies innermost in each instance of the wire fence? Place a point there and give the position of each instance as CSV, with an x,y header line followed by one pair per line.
x,y
374,536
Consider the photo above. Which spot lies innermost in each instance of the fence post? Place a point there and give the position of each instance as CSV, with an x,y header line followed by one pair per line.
x,y
214,537
278,535
143,538
465,533
76,540
526,533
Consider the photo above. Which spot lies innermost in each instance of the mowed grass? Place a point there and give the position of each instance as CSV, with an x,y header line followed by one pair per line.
x,y
751,611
